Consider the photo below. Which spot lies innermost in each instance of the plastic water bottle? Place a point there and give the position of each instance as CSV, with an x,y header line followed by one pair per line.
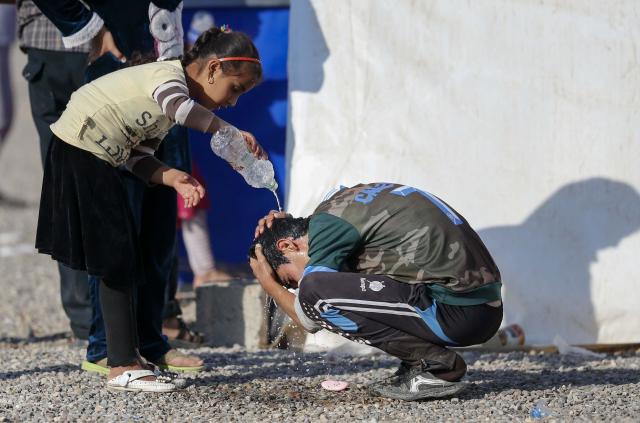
x,y
229,144
540,410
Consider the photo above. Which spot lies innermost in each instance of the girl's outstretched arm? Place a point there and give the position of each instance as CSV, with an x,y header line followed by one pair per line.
x,y
149,169
186,185
173,98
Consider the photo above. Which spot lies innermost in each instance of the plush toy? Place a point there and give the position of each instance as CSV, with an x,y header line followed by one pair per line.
x,y
166,28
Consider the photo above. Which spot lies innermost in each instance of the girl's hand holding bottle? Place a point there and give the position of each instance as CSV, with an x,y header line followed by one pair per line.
x,y
241,150
253,146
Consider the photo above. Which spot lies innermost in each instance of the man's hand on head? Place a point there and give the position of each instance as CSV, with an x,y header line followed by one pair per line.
x,y
267,221
262,269
271,284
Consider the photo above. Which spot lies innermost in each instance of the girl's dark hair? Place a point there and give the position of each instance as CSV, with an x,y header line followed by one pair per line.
x,y
218,43
285,227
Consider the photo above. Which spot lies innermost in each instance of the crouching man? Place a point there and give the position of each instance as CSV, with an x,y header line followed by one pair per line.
x,y
390,266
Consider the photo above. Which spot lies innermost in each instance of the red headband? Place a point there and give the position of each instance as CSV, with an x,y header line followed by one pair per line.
x,y
240,59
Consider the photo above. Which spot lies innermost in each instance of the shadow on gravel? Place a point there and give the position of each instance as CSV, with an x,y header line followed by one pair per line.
x,y
483,381
264,365
15,203
64,368
35,339
285,372
545,360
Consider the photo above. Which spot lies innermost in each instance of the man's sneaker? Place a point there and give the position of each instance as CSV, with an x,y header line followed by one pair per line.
x,y
414,383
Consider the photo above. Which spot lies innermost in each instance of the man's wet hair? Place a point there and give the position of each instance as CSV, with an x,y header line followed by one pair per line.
x,y
286,227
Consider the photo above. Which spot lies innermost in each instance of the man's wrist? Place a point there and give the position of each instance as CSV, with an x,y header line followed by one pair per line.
x,y
270,284
267,280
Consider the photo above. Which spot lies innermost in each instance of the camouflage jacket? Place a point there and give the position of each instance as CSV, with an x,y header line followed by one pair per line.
x,y
404,233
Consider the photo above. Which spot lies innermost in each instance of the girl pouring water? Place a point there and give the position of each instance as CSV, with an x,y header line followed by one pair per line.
x,y
117,120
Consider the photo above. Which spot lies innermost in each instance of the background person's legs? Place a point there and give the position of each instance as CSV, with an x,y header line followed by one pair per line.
x,y
97,348
195,233
53,76
154,216
74,293
172,307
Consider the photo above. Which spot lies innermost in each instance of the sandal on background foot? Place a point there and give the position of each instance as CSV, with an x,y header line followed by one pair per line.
x,y
131,381
164,363
99,366
185,337
212,276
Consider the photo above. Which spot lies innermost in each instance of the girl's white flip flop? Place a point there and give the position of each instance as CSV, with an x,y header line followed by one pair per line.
x,y
130,381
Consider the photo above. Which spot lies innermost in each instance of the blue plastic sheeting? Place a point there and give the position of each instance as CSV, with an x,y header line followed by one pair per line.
x,y
235,206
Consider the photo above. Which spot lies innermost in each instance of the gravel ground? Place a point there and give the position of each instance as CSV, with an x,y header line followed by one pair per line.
x,y
40,379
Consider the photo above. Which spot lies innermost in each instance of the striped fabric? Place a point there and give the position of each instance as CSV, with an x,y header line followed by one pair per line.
x,y
36,31
173,98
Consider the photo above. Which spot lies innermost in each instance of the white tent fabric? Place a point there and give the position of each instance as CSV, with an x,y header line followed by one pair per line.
x,y
523,115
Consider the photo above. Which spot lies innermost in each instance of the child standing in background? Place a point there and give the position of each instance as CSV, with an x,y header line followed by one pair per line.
x,y
195,234
120,119
193,221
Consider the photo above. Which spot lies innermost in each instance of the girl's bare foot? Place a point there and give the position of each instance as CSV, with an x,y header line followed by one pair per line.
x,y
117,371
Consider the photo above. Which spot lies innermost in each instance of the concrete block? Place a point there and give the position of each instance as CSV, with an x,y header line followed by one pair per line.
x,y
231,313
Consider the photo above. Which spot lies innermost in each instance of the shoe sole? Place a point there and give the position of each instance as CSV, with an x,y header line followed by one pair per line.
x,y
432,393
123,389
88,366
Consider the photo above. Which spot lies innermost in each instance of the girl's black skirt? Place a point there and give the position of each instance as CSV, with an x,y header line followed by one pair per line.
x,y
85,220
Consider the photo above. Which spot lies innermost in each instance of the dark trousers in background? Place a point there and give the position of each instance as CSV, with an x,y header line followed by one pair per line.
x,y
154,210
398,318
155,214
53,76
171,305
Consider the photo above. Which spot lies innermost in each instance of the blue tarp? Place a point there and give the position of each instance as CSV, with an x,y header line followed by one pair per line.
x,y
235,206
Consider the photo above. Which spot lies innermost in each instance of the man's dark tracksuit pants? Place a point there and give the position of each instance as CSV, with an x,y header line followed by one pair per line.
x,y
399,318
